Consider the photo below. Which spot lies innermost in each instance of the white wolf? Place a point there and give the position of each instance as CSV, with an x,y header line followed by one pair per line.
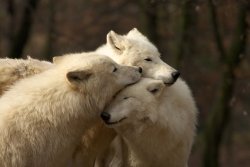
x,y
156,122
42,118
12,70
136,50
131,49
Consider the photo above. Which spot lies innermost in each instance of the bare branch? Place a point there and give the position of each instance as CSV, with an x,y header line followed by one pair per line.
x,y
220,115
21,37
214,21
240,38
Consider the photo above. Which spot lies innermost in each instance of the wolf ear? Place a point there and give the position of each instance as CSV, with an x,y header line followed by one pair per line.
x,y
76,77
57,59
136,34
29,57
156,87
116,42
135,31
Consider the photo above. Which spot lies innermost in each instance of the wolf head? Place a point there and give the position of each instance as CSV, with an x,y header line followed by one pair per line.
x,y
86,72
136,104
136,50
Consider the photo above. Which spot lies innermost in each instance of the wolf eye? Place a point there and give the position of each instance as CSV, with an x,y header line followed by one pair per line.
x,y
154,91
148,59
115,69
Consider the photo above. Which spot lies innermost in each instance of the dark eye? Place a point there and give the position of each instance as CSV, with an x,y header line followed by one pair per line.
x,y
148,59
115,69
154,91
125,98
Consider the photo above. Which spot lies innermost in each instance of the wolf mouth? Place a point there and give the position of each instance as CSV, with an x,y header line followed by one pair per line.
x,y
116,122
170,83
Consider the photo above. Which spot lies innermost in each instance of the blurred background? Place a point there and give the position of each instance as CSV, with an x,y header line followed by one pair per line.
x,y
207,40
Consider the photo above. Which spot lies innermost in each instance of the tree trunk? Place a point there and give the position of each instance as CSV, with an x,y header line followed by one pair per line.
x,y
214,22
220,115
51,31
11,24
218,120
181,35
149,19
20,38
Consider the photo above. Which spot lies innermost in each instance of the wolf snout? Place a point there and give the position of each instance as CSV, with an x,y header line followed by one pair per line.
x,y
136,75
140,70
105,116
169,79
175,75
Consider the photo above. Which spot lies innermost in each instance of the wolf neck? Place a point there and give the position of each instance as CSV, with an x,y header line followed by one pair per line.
x,y
58,105
152,147
107,51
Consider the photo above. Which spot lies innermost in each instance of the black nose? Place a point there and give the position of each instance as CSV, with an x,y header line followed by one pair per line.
x,y
140,70
175,75
105,116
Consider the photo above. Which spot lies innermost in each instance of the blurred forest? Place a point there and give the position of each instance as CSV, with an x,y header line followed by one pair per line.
x,y
207,40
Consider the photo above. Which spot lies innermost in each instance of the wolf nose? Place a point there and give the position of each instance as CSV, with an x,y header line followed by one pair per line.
x,y
105,116
175,75
140,70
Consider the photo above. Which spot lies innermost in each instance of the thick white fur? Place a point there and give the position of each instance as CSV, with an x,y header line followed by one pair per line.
x,y
130,49
42,118
159,127
12,70
134,49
